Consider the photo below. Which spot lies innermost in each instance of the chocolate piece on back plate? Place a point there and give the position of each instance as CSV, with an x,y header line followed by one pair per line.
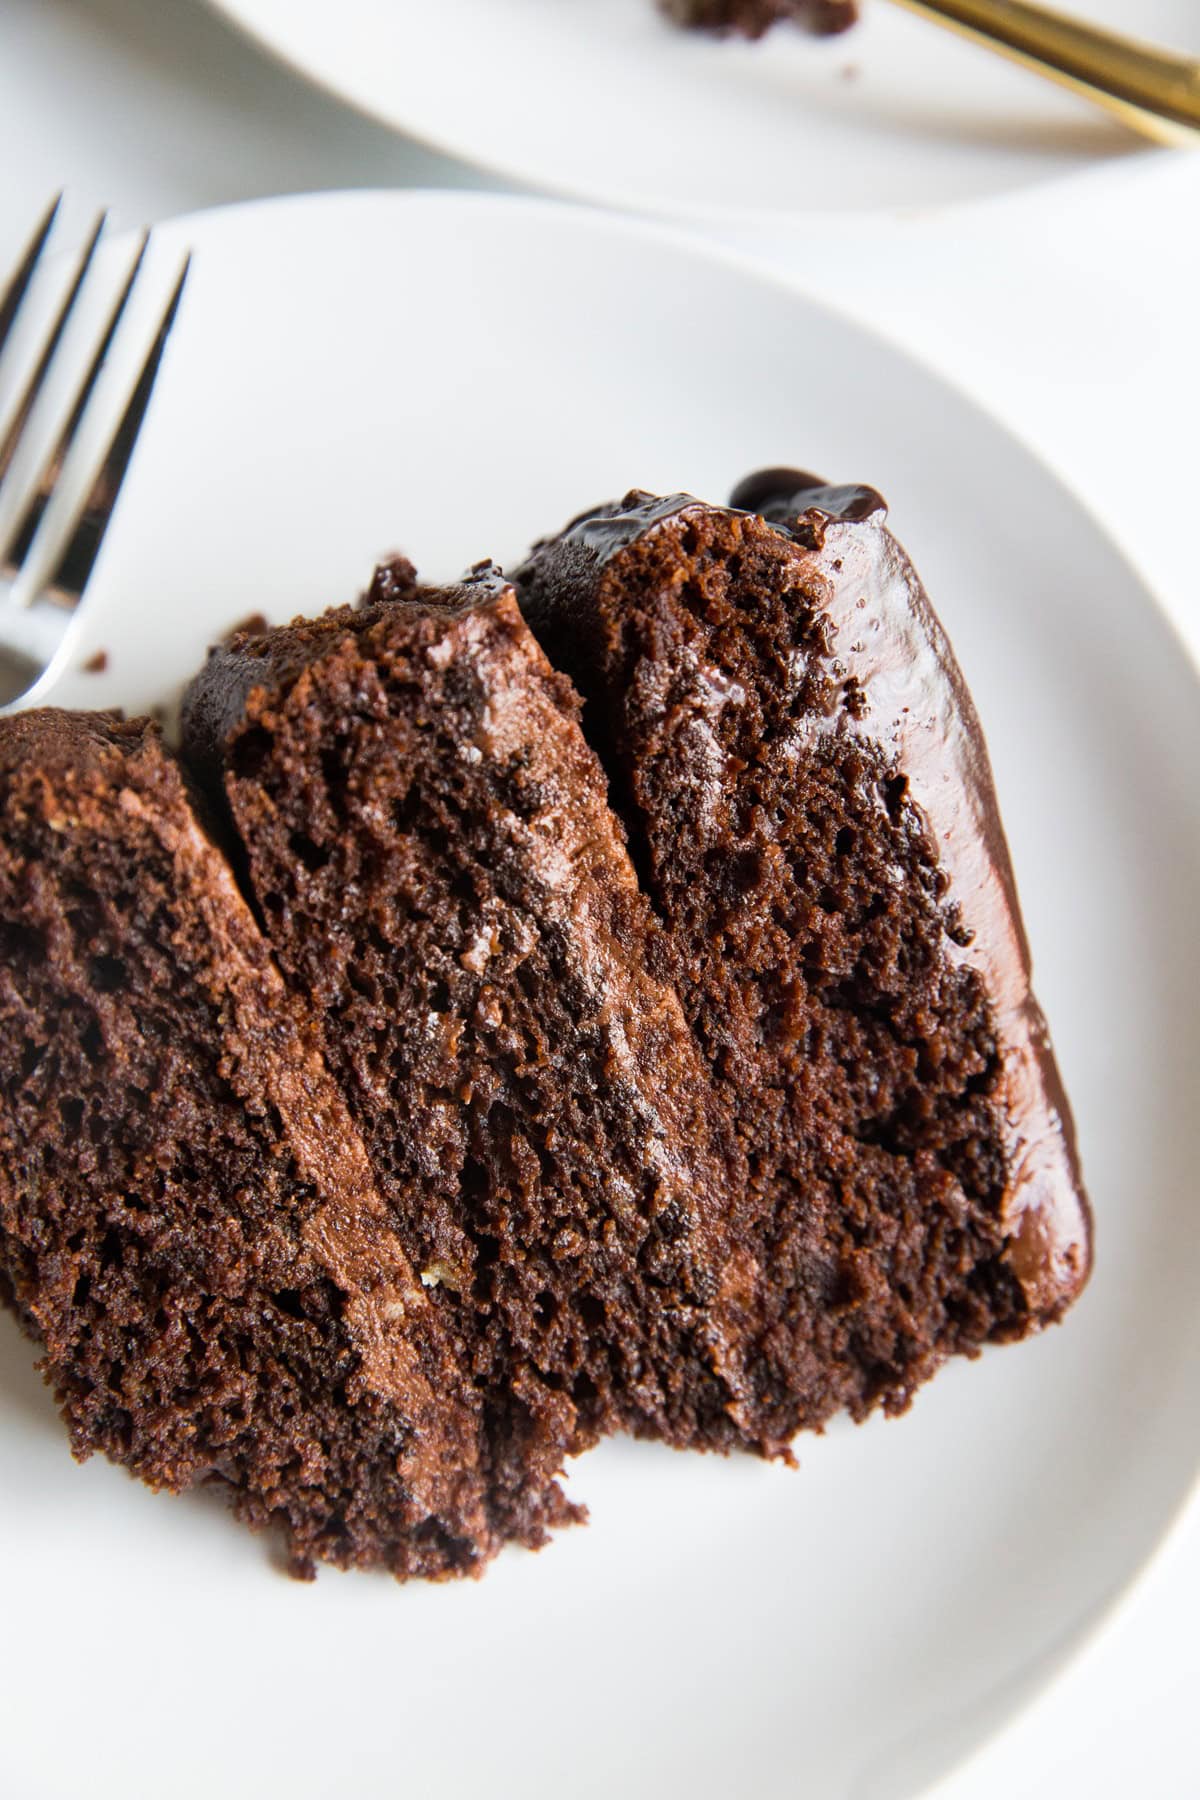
x,y
753,18
810,808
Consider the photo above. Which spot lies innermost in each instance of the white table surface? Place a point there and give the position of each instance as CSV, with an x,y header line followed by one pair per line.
x,y
1072,311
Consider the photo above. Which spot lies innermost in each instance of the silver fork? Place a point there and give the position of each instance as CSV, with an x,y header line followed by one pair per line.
x,y
34,613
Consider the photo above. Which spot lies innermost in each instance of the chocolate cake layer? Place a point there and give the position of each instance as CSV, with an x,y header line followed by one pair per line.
x,y
427,839
188,1221
811,812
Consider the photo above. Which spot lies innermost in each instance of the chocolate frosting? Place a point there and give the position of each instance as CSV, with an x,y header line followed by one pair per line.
x,y
890,654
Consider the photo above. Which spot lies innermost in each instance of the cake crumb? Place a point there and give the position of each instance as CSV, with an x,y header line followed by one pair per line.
x,y
395,578
441,1274
97,663
253,625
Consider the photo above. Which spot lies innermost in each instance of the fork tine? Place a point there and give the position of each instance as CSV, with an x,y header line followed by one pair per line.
x,y
14,293
77,560
34,385
17,548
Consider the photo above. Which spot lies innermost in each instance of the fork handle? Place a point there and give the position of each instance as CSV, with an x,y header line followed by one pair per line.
x,y
1154,91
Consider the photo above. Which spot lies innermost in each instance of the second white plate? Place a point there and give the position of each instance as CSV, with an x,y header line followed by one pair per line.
x,y
605,100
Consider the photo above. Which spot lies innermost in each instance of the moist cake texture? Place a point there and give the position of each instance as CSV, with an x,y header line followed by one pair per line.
x,y
752,18
811,812
592,1003
188,1221
427,839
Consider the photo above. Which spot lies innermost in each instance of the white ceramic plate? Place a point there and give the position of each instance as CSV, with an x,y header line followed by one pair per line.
x,y
454,375
604,99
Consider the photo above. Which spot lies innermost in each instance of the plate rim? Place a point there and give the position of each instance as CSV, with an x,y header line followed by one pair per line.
x,y
1108,1613
756,265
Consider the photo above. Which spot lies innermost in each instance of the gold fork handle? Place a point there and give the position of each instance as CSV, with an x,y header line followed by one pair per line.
x,y
1154,91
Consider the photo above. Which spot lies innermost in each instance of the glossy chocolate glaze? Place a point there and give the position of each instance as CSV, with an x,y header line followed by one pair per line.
x,y
888,650
766,489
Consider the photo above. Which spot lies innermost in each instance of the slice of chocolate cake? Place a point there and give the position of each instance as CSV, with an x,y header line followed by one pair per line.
x,y
810,809
753,18
428,841
188,1221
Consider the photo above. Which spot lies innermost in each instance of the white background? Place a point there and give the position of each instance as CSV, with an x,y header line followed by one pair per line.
x,y
1072,311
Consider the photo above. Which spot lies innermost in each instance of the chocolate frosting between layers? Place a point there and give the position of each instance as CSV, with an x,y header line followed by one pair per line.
x,y
891,657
